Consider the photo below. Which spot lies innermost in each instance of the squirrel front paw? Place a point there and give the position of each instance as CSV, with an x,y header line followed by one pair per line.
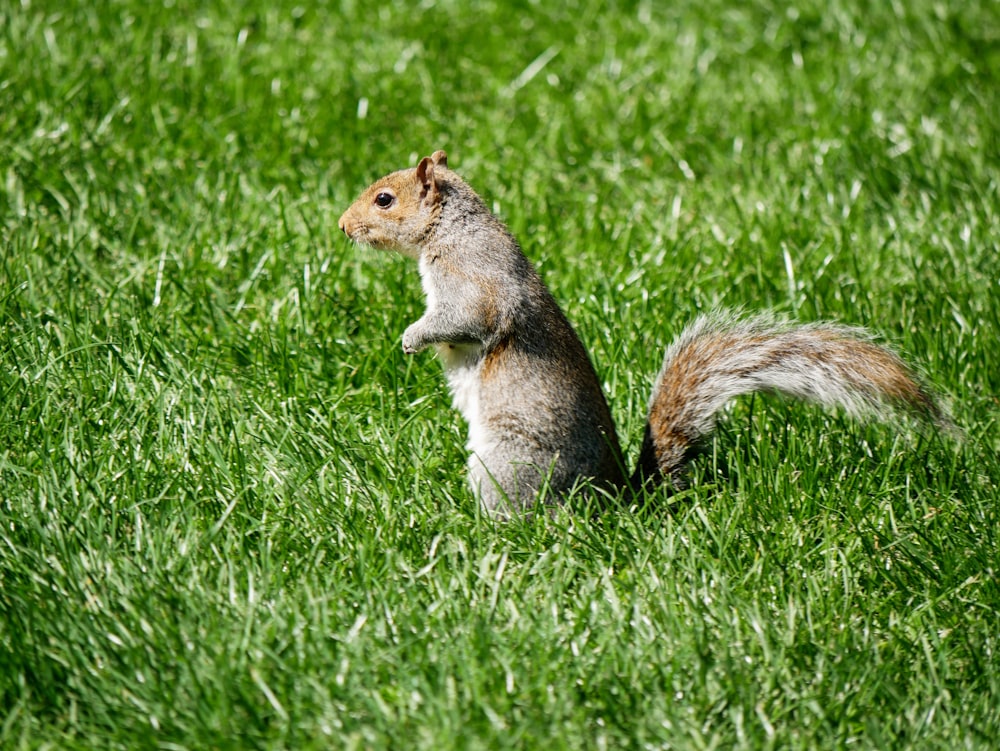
x,y
412,341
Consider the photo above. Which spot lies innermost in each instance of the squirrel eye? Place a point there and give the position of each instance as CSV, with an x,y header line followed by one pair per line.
x,y
384,200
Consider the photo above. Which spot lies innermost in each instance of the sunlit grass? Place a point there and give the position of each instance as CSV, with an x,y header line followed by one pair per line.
x,y
234,515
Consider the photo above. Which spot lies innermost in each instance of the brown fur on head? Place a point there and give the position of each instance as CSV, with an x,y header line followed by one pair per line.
x,y
400,210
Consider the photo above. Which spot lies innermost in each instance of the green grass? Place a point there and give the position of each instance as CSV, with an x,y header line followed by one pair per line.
x,y
234,515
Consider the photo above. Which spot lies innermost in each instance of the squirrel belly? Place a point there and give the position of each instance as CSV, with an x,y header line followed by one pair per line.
x,y
539,422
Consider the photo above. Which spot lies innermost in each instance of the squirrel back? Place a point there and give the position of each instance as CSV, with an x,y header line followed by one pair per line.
x,y
538,419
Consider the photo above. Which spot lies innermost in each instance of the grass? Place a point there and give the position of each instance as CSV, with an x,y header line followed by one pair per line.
x,y
235,516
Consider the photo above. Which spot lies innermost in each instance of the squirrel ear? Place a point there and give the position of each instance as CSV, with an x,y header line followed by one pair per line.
x,y
425,171
425,176
440,158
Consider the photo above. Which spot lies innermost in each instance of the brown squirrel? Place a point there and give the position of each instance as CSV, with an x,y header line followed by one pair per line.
x,y
538,419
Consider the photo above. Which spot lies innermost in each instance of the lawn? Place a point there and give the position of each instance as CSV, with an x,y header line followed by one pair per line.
x,y
233,515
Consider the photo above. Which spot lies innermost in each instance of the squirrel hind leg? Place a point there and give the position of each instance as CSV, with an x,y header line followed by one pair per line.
x,y
504,488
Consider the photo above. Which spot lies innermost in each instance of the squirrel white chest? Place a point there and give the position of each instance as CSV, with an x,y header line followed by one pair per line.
x,y
462,366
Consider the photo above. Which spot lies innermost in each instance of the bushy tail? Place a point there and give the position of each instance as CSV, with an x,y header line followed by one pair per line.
x,y
721,356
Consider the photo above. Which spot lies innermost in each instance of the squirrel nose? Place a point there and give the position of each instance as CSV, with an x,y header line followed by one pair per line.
x,y
342,223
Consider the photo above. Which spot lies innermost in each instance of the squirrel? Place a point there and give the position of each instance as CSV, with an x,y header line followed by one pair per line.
x,y
538,419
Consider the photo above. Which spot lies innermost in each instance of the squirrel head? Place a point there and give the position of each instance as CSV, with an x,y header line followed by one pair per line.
x,y
399,211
